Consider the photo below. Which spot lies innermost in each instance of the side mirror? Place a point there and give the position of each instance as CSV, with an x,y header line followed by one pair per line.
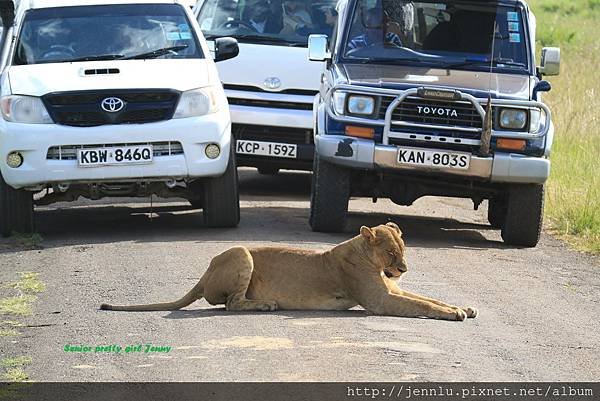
x,y
550,61
226,48
317,48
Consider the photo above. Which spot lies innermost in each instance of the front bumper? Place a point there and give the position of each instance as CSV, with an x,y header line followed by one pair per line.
x,y
366,154
34,140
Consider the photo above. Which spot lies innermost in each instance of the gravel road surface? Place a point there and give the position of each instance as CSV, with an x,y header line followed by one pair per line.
x,y
539,308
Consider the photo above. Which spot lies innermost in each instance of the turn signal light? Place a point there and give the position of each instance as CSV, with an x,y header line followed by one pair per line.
x,y
511,144
360,132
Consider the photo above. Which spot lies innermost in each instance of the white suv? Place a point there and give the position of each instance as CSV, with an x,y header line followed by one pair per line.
x,y
113,98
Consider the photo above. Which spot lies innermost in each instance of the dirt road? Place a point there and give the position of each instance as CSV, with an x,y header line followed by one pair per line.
x,y
539,308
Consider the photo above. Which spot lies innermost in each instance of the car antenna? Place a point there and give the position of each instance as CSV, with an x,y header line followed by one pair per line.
x,y
486,132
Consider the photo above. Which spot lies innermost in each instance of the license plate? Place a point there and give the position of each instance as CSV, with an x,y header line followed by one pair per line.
x,y
434,158
272,149
115,156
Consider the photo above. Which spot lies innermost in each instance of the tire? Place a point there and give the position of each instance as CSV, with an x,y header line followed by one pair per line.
x,y
221,201
524,215
16,210
268,171
329,197
496,213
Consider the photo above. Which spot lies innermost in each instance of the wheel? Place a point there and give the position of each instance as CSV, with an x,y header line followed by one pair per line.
x,y
268,171
524,215
221,201
329,197
496,212
16,210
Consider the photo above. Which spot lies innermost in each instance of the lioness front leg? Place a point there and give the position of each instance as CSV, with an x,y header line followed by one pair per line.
x,y
471,312
394,289
404,306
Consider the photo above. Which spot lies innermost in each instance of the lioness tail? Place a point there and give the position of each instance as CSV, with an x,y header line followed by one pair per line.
x,y
194,294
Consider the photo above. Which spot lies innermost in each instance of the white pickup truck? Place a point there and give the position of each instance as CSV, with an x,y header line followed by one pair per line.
x,y
271,85
112,98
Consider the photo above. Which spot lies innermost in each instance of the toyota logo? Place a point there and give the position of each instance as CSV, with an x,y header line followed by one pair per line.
x,y
112,104
272,83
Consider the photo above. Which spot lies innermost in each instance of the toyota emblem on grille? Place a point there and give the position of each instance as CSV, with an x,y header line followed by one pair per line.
x,y
112,104
272,83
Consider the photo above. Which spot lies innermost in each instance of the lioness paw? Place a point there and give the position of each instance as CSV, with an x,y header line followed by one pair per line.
x,y
460,315
471,312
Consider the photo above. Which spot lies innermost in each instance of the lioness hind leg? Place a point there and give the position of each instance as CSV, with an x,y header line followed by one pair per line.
x,y
232,274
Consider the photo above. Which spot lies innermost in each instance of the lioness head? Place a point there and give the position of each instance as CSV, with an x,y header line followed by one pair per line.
x,y
386,248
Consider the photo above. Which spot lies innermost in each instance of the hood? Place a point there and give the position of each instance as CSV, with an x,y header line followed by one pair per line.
x,y
181,74
508,86
256,63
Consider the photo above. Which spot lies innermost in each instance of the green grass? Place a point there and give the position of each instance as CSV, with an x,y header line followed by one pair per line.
x,y
573,193
16,306
15,375
9,333
27,240
29,283
15,362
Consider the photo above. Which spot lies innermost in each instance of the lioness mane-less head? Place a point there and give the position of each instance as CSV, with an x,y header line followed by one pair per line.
x,y
386,248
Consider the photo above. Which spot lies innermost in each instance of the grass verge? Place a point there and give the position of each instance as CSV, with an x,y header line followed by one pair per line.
x,y
573,192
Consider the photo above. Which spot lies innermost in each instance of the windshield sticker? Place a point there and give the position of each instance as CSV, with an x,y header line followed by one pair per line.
x,y
512,16
184,28
515,38
171,36
186,35
514,27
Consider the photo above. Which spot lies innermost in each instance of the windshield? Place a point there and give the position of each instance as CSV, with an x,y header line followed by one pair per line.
x,y
106,32
449,34
287,22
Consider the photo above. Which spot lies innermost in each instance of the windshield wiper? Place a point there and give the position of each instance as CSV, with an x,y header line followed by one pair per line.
x,y
157,52
267,39
96,58
494,62
386,60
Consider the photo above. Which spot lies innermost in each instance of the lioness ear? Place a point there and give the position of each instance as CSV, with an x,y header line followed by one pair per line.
x,y
395,227
367,233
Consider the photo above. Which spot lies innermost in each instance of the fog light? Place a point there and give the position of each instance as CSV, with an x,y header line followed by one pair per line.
x,y
212,151
14,160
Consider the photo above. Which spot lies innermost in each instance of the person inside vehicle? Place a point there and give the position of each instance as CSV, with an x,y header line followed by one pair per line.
x,y
265,16
375,28
296,15
324,22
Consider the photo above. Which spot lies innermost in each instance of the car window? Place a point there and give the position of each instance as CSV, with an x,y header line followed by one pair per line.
x,y
285,22
64,34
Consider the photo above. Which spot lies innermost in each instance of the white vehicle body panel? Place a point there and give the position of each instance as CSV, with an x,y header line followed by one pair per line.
x,y
33,141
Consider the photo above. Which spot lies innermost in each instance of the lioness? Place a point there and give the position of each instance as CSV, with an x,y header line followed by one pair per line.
x,y
359,271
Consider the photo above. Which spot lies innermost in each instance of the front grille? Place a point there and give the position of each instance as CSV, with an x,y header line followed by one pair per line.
x,y
249,88
83,109
272,134
426,111
69,152
270,104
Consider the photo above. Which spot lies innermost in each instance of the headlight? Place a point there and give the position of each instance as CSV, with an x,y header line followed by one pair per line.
x,y
363,105
199,102
513,119
24,109
339,102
